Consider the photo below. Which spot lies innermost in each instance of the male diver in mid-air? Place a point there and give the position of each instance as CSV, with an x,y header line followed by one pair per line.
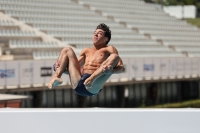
x,y
94,66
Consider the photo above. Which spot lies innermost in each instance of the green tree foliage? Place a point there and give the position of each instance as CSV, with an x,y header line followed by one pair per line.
x,y
170,2
188,2
176,2
198,5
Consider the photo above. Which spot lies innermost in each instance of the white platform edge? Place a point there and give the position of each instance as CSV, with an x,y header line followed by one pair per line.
x,y
55,110
100,120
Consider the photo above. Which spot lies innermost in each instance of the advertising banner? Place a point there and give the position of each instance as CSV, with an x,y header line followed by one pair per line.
x,y
125,75
38,79
172,67
148,67
132,68
156,73
180,67
12,73
26,72
66,79
139,67
47,71
194,68
164,68
3,75
199,65
187,69
114,78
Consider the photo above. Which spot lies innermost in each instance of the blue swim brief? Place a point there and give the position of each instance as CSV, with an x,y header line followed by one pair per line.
x,y
80,89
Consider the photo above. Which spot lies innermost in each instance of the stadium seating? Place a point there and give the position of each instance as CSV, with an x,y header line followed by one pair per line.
x,y
6,23
31,44
135,25
61,20
148,20
39,55
187,48
149,54
193,54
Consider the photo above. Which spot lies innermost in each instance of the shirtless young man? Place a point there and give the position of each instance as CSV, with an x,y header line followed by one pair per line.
x,y
94,66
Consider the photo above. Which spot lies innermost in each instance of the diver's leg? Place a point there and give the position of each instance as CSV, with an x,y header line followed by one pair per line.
x,y
66,60
99,77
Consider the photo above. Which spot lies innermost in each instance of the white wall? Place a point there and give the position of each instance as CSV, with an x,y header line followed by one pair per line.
x,y
99,120
181,11
19,74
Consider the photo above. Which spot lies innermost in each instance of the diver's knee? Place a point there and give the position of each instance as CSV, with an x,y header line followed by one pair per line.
x,y
114,56
66,49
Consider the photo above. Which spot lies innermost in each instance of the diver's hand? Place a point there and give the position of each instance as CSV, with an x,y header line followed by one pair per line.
x,y
88,82
108,69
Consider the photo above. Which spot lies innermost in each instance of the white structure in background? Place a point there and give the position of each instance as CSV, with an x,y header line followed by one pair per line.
x,y
37,73
181,11
0,51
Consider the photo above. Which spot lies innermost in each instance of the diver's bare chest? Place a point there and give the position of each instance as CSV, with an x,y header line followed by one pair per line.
x,y
96,56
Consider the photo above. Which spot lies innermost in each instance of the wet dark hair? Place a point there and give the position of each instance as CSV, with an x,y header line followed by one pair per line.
x,y
107,32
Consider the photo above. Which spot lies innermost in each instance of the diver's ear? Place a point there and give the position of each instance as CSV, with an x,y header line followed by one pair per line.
x,y
106,39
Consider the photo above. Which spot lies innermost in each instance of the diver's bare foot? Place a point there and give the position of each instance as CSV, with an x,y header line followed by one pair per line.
x,y
55,81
